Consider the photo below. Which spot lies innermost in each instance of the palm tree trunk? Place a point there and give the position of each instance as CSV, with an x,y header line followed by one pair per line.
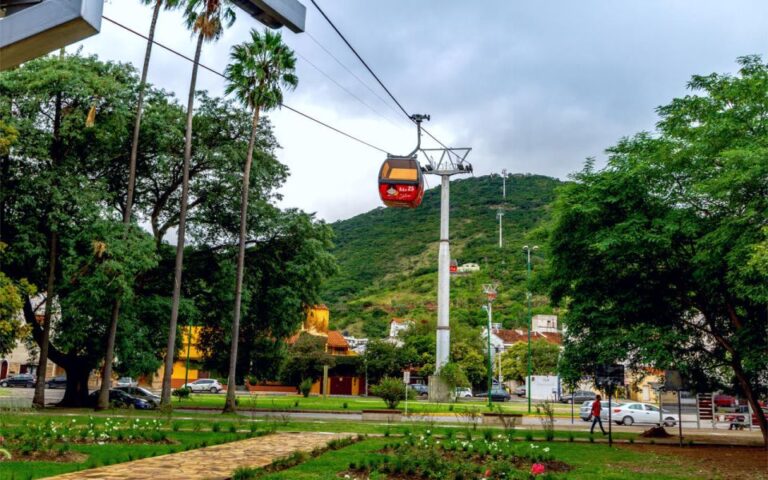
x,y
165,398
109,354
229,405
38,400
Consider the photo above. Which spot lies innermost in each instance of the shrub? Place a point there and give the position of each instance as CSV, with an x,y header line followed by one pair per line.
x,y
453,375
182,392
392,391
305,386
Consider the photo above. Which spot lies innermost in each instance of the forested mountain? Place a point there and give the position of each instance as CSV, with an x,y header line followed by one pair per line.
x,y
388,257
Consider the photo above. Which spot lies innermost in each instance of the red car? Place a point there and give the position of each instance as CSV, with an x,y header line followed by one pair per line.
x,y
723,400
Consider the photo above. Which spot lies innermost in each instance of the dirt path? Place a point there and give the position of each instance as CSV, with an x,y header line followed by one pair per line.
x,y
216,462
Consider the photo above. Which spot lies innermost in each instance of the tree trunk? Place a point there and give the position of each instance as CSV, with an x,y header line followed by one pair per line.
x,y
229,405
165,398
109,354
39,398
749,392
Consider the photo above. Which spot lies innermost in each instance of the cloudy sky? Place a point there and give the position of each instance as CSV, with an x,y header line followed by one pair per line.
x,y
532,86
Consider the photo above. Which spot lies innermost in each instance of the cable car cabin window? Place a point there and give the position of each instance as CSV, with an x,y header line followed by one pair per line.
x,y
401,183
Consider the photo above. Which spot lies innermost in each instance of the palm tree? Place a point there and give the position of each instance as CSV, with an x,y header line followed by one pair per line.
x,y
109,354
259,72
207,19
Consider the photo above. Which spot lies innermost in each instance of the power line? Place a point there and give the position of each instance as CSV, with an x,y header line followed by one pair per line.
x,y
215,72
330,54
341,35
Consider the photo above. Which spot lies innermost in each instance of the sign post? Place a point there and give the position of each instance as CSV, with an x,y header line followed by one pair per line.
x,y
406,382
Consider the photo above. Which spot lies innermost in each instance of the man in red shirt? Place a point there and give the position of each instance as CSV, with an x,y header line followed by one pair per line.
x,y
596,415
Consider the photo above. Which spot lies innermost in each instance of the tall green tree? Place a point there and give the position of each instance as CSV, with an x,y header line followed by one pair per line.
x,y
544,360
652,253
207,19
260,70
103,400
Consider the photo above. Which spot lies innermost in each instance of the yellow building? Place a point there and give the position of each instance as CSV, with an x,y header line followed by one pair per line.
x,y
190,339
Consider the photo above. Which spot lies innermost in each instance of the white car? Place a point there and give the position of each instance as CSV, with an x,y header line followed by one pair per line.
x,y
630,413
126,382
463,393
585,411
204,385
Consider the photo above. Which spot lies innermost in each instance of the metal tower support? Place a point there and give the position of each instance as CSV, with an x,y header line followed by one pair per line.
x,y
500,214
445,162
504,183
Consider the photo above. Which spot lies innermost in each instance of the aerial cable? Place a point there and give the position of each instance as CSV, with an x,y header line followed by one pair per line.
x,y
215,72
360,80
341,35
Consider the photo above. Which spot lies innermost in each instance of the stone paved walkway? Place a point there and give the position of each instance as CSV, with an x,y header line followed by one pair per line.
x,y
210,463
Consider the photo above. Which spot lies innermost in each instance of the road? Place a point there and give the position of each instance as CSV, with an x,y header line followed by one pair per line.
x,y
22,397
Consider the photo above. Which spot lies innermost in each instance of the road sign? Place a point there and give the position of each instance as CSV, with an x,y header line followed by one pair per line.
x,y
406,377
32,29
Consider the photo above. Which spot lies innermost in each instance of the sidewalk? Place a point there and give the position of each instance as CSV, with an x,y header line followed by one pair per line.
x,y
214,463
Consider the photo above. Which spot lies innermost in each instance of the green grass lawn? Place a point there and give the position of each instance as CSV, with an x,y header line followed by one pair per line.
x,y
356,404
589,462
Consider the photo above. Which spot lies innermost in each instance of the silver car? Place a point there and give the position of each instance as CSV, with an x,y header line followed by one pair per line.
x,y
205,385
636,412
585,411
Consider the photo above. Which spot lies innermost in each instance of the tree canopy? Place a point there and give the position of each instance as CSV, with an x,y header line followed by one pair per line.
x,y
659,256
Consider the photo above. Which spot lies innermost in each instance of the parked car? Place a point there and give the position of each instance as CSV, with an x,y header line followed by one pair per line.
x,y
420,389
119,398
498,394
20,380
126,382
57,382
585,411
578,396
521,391
722,400
141,392
463,393
634,412
204,385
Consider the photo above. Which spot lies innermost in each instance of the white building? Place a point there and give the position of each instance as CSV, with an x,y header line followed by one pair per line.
x,y
468,268
396,327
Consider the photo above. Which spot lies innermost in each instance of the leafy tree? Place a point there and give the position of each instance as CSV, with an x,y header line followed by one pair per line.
x,y
207,19
259,72
103,399
544,359
657,254
385,359
306,359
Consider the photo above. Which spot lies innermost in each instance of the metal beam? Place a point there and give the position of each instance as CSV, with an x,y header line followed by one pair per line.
x,y
46,26
276,13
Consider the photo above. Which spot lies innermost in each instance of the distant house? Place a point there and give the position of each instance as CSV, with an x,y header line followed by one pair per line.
x,y
358,345
544,328
396,327
469,268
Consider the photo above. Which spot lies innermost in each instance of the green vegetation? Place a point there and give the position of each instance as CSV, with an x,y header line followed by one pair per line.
x,y
388,257
392,391
544,357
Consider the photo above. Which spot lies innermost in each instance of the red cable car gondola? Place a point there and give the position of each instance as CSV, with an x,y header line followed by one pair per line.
x,y
401,184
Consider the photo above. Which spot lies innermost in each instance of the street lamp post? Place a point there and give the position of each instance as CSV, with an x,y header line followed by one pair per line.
x,y
490,291
528,250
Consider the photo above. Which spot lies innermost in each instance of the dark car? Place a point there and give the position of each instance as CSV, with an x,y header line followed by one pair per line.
x,y
498,394
20,380
579,396
57,382
141,392
121,399
420,389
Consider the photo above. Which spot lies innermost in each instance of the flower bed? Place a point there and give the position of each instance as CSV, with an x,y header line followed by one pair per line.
x,y
428,457
52,440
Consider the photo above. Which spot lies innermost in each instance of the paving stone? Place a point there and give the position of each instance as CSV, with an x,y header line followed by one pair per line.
x,y
209,463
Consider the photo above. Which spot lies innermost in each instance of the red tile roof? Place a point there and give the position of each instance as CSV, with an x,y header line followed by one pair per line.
x,y
336,340
519,335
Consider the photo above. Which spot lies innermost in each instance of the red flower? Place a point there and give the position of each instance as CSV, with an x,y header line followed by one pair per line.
x,y
537,469
487,473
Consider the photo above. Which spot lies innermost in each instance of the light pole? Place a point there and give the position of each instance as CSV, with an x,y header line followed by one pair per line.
x,y
490,292
528,250
504,183
500,214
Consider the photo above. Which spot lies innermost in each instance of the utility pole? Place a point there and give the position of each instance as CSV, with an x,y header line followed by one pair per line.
x,y
530,318
500,214
490,292
504,183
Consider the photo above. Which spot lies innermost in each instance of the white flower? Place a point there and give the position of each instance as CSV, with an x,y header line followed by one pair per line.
x,y
546,449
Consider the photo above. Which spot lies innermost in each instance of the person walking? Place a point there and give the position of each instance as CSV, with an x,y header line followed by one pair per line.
x,y
596,407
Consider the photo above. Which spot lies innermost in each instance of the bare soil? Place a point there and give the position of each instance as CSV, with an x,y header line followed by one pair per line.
x,y
716,462
52,456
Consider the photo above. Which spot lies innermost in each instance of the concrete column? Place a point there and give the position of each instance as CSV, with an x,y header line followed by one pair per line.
x,y
444,280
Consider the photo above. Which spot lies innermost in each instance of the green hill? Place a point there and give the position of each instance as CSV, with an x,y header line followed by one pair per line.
x,y
388,257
